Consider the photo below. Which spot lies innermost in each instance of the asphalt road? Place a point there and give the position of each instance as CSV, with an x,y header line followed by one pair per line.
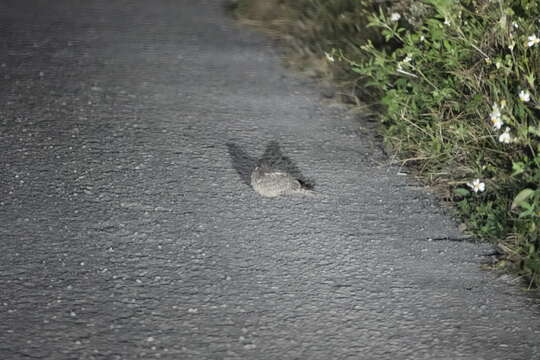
x,y
128,130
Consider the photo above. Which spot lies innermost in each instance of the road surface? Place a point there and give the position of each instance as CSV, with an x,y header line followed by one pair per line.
x,y
128,130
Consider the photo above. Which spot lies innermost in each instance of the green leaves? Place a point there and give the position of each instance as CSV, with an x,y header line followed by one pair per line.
x,y
518,167
462,192
535,130
521,199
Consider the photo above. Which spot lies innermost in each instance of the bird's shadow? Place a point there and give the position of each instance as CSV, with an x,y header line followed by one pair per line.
x,y
244,164
241,162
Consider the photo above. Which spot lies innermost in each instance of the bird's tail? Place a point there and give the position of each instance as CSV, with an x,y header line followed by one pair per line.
x,y
308,192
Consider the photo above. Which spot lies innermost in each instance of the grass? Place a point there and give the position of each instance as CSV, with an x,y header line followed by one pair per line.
x,y
453,84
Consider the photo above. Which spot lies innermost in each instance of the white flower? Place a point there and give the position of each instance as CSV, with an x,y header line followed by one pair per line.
x,y
512,45
407,60
533,40
495,117
395,17
505,137
446,21
477,186
497,123
329,57
524,96
515,25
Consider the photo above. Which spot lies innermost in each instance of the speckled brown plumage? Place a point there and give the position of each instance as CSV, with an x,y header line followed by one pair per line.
x,y
272,183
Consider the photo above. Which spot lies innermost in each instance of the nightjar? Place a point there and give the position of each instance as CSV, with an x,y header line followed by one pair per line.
x,y
272,183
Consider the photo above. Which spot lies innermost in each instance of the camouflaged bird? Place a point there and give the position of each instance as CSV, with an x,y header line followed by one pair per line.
x,y
272,183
